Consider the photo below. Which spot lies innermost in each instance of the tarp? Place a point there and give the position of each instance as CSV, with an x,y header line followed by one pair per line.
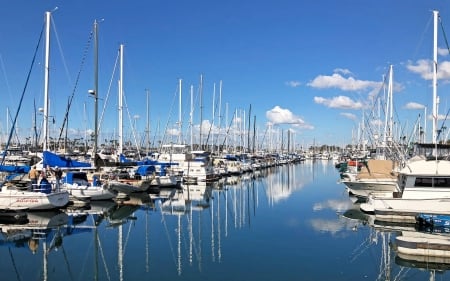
x,y
15,169
53,160
76,177
146,170
377,169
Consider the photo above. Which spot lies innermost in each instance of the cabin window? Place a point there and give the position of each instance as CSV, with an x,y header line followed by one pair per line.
x,y
432,182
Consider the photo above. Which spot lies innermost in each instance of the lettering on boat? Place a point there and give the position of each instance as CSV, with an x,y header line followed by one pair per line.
x,y
27,200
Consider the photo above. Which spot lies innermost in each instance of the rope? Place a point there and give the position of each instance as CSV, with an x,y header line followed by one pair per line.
x,y
14,264
445,36
83,59
23,94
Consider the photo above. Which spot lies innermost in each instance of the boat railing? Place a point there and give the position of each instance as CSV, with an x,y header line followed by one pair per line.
x,y
46,187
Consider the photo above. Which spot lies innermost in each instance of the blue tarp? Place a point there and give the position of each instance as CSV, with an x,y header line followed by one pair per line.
x,y
54,160
145,170
15,169
76,177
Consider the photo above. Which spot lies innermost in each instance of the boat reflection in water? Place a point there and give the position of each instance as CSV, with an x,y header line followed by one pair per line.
x,y
424,250
183,203
406,246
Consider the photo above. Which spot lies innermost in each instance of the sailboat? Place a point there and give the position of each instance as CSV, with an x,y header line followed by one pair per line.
x,y
13,196
424,181
76,173
376,175
125,187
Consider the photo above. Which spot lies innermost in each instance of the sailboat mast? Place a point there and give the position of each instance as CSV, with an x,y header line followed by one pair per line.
x,y
220,111
435,97
213,115
191,117
201,111
179,112
120,150
391,102
147,130
46,78
94,152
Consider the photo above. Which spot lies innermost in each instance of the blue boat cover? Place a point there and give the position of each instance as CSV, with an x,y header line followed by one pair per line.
x,y
54,160
15,169
145,170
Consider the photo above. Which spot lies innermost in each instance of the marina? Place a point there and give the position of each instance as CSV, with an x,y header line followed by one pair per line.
x,y
316,178
290,222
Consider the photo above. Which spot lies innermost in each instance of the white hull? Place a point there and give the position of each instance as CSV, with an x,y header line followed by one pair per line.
x,y
363,188
94,192
405,210
413,201
377,176
164,181
18,199
128,187
426,189
425,245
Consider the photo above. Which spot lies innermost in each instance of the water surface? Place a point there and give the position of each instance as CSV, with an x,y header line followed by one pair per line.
x,y
292,222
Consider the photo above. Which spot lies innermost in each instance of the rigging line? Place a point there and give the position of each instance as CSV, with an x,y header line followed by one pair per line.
x,y
422,37
60,50
15,132
210,131
35,124
133,129
6,78
168,120
443,32
127,237
83,59
108,94
443,123
228,129
167,233
413,134
23,94
103,257
67,262
14,264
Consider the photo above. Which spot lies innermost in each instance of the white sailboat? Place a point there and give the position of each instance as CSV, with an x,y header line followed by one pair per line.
x,y
424,183
377,175
13,196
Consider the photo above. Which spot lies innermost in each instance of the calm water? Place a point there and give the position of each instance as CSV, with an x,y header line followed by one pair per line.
x,y
289,223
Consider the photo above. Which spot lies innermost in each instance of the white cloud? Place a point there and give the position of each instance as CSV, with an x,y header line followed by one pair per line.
x,y
343,83
342,102
343,71
425,70
376,122
173,132
350,116
278,115
414,105
293,84
443,52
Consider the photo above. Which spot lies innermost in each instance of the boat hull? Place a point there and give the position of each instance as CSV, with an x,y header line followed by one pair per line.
x,y
94,192
16,199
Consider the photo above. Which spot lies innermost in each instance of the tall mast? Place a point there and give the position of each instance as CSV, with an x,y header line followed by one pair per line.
x,y
95,89
435,97
46,78
120,150
213,116
220,112
147,129
179,112
201,111
191,117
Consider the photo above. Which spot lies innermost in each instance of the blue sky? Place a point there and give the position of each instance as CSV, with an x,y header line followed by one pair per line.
x,y
305,66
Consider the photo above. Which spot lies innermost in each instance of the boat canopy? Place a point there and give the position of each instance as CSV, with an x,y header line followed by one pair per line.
x,y
53,160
